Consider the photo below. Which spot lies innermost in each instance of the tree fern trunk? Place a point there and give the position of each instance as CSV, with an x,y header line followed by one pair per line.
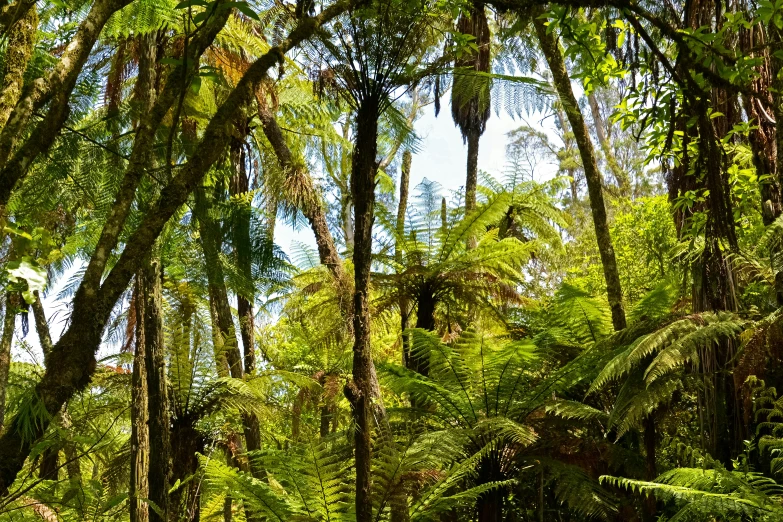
x,y
74,353
150,283
139,442
186,442
651,466
425,320
554,57
402,209
363,391
490,506
471,181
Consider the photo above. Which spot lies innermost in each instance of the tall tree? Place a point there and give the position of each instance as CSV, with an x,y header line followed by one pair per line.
x,y
470,107
550,48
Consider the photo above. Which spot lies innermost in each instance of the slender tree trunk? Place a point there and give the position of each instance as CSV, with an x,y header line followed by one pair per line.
x,y
139,489
541,496
240,184
346,205
6,341
229,361
568,147
554,57
471,182
363,391
21,43
402,209
159,471
42,327
49,458
224,336
346,211
623,181
72,465
310,205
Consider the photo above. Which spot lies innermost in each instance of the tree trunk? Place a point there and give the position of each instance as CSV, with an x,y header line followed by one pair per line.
x,y
72,465
554,57
490,506
49,458
10,14
21,43
402,209
240,184
568,147
151,290
471,181
224,335
6,341
309,203
623,182
139,489
363,392
42,327
186,442
425,320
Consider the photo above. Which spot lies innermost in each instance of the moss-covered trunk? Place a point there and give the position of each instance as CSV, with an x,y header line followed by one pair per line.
x,y
159,473
554,57
139,440
364,392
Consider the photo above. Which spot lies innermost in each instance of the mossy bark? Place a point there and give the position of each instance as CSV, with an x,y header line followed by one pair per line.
x,y
6,341
139,440
151,298
21,42
554,57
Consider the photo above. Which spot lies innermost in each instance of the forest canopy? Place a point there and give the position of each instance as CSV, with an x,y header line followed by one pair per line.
x,y
594,332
